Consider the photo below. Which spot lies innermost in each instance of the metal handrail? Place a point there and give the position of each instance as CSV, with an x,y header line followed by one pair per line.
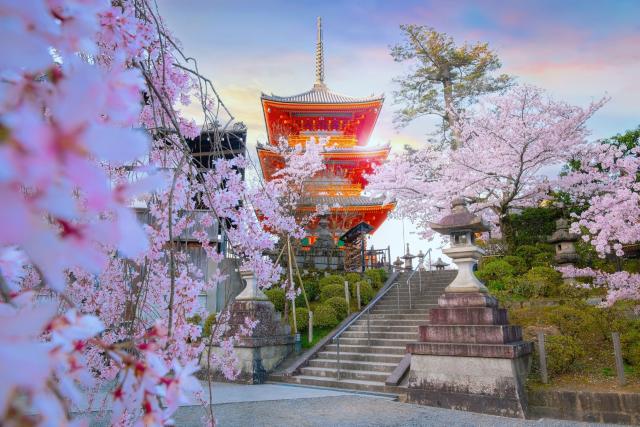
x,y
368,307
419,271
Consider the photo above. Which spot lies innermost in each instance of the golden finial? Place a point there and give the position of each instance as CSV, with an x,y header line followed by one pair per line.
x,y
319,56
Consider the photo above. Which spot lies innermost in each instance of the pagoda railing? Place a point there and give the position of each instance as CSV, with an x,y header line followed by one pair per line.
x,y
340,259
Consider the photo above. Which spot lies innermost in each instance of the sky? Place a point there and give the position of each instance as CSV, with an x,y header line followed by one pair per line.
x,y
578,51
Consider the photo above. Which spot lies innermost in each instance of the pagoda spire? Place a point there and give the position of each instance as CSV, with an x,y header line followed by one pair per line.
x,y
319,56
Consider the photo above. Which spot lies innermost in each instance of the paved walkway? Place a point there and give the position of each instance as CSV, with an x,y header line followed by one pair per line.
x,y
285,405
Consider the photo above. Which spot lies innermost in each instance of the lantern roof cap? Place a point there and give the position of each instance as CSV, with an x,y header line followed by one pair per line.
x,y
408,254
459,219
440,263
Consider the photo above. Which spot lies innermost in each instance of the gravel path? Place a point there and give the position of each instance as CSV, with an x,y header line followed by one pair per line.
x,y
344,411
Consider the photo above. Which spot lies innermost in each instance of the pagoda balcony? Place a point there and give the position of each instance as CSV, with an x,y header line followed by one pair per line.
x,y
342,141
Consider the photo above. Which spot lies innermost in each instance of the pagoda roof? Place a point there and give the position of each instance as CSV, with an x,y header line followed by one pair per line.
x,y
320,94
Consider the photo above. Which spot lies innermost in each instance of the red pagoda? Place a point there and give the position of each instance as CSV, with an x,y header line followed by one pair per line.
x,y
346,123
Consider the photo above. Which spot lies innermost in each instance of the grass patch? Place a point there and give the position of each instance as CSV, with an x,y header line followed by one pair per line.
x,y
318,334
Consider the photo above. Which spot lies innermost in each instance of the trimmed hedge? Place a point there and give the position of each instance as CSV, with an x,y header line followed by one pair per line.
x,y
325,315
276,296
339,305
302,318
352,277
377,276
332,279
366,292
331,291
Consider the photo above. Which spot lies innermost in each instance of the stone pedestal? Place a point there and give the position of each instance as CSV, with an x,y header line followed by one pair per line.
x,y
470,358
267,344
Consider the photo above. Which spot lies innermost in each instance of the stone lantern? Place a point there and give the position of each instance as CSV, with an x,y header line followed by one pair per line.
x,y
408,259
440,264
461,225
261,350
397,264
564,242
421,256
468,357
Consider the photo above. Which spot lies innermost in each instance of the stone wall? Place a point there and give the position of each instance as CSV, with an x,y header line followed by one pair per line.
x,y
607,407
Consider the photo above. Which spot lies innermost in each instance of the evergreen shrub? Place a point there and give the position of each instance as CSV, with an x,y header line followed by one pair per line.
x,y
276,295
331,291
302,318
332,279
339,305
325,315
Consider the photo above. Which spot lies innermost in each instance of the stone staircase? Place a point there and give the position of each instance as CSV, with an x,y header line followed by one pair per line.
x,y
393,325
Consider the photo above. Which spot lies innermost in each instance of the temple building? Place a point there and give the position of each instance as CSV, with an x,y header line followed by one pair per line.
x,y
346,124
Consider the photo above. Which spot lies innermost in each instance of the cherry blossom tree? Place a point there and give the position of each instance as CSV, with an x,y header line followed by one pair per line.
x,y
90,122
300,163
511,142
604,186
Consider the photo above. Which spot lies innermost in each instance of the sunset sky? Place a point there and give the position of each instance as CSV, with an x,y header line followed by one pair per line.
x,y
577,50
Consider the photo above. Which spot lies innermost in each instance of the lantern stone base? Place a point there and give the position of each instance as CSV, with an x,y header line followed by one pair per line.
x,y
469,358
264,347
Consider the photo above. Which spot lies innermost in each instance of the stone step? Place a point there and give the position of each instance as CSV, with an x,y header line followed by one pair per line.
x,y
397,316
381,335
365,357
362,327
414,304
404,293
348,384
379,349
346,374
400,342
353,365
416,311
378,322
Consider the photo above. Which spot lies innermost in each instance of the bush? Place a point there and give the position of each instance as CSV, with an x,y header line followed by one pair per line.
x,y
519,265
527,253
495,270
276,296
332,279
378,277
339,305
331,291
582,322
352,277
312,287
537,282
366,293
302,318
543,259
563,354
209,323
325,315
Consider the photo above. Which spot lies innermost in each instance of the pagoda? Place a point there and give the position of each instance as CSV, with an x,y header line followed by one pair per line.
x,y
346,124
